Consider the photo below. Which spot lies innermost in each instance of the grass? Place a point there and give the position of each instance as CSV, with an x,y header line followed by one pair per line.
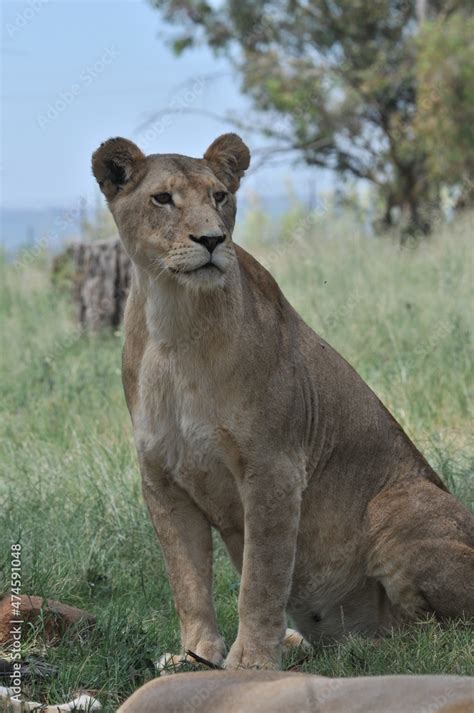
x,y
69,486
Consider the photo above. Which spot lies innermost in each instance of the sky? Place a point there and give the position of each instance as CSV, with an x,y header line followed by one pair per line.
x,y
75,72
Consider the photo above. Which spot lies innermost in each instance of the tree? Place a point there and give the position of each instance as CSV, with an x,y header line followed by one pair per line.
x,y
445,117
334,80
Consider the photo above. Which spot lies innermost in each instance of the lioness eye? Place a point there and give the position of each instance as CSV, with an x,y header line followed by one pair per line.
x,y
162,198
220,196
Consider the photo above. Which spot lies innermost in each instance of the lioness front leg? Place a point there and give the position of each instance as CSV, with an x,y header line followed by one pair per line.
x,y
186,541
271,502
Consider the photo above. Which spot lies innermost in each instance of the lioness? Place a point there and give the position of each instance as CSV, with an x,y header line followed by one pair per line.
x,y
246,421
271,692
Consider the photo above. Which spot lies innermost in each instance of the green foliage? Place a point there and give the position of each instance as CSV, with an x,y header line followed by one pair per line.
x,y
69,483
337,82
445,118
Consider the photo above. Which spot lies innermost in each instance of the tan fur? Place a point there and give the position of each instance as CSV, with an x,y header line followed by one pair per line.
x,y
246,421
271,692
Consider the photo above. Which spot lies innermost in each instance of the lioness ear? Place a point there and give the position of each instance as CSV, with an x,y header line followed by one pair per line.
x,y
229,158
114,163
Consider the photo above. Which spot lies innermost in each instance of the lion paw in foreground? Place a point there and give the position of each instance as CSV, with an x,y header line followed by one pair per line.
x,y
248,422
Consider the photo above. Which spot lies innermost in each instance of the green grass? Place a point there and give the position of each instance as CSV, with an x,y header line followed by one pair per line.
x,y
69,487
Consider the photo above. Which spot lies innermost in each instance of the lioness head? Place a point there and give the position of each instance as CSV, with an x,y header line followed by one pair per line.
x,y
175,214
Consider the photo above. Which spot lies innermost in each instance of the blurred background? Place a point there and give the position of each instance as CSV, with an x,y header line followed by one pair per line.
x,y
75,73
370,103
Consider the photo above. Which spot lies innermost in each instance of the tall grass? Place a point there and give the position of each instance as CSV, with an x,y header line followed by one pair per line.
x,y
69,485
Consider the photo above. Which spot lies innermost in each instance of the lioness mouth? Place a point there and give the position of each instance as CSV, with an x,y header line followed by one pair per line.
x,y
209,266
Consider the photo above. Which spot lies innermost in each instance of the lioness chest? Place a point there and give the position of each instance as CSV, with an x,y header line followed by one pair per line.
x,y
185,424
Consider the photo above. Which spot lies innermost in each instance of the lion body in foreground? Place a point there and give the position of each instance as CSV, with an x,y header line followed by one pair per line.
x,y
247,421
280,692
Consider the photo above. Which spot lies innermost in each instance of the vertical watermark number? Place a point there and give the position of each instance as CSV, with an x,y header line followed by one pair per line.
x,y
15,619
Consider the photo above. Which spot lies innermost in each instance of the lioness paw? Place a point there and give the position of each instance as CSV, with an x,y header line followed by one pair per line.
x,y
250,655
212,651
170,663
294,640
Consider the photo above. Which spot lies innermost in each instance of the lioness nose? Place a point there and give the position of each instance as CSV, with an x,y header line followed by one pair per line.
x,y
209,241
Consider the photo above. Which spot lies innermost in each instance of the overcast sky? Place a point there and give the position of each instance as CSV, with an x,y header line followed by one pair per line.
x,y
75,72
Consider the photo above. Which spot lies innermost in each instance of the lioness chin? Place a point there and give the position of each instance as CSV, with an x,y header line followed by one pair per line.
x,y
246,421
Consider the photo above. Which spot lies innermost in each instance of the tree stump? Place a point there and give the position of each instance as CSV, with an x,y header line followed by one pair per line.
x,y
102,272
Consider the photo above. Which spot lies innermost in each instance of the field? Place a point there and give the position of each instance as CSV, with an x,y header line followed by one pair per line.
x,y
69,486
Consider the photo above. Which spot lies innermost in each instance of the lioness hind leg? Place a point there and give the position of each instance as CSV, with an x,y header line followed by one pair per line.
x,y
433,578
422,550
442,573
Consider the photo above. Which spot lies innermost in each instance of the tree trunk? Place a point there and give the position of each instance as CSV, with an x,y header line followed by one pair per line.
x,y
102,271
419,222
421,8
414,199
